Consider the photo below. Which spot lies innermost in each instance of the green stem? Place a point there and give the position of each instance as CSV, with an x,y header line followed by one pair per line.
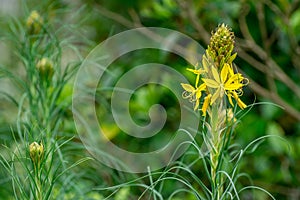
x,y
38,188
216,150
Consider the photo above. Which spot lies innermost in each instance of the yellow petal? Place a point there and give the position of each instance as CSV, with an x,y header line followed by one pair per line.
x,y
202,87
205,63
215,74
205,104
231,72
211,83
237,78
230,99
224,72
241,104
188,87
232,86
215,96
232,57
198,94
196,71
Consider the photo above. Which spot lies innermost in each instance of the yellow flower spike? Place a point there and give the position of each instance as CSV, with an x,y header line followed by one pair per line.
x,y
206,104
217,73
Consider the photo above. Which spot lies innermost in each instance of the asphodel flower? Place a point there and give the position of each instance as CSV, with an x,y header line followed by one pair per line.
x,y
216,77
225,82
216,85
194,93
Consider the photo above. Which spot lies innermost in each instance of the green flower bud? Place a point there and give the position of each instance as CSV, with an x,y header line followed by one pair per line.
x,y
45,68
36,152
34,22
221,46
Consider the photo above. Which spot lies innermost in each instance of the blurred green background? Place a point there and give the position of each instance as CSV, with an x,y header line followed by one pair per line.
x,y
268,46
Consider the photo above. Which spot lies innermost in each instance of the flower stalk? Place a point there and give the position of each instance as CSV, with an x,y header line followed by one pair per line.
x,y
217,85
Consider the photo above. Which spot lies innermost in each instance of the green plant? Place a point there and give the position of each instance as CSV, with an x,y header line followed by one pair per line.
x,y
36,163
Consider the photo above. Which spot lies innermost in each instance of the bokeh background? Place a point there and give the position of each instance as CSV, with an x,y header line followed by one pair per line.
x,y
268,46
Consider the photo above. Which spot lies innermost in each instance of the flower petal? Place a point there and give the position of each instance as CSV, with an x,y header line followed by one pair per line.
x,y
230,99
205,104
241,104
196,71
198,94
211,83
215,96
224,72
215,74
232,86
188,87
202,87
236,78
205,63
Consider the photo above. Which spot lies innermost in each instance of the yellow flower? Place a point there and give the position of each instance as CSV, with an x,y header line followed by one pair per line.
x,y
193,94
223,82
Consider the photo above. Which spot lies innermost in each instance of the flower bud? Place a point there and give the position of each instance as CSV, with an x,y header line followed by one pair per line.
x,y
45,68
36,152
34,22
221,45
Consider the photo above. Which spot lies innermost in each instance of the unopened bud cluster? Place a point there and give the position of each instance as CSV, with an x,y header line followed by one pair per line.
x,y
221,45
36,152
34,22
45,68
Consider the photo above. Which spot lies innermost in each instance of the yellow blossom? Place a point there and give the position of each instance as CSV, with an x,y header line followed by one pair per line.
x,y
193,94
226,81
216,77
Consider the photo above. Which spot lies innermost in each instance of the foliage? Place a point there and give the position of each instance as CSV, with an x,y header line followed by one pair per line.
x,y
41,51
